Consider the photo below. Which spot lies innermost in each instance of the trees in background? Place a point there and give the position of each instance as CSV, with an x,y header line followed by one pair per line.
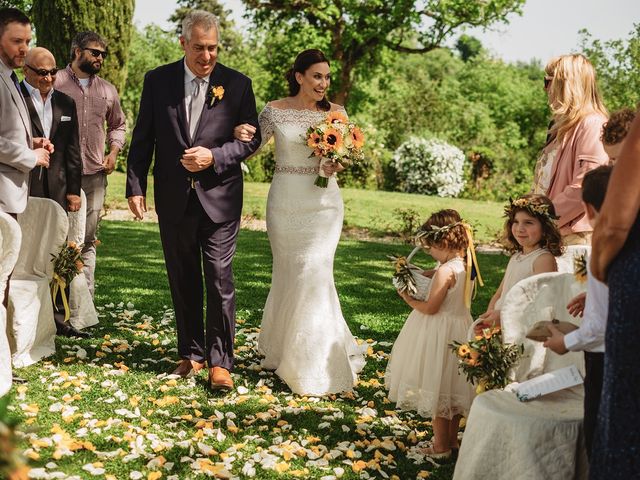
x,y
356,34
57,22
618,65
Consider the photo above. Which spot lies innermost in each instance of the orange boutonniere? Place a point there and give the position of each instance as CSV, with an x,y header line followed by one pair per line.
x,y
215,94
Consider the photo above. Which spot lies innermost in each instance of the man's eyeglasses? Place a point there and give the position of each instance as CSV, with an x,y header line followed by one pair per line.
x,y
96,53
547,81
43,72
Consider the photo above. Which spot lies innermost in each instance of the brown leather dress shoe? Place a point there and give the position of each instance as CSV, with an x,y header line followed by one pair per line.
x,y
188,368
220,379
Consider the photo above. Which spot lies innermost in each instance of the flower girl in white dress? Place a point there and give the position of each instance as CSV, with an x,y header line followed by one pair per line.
x,y
422,373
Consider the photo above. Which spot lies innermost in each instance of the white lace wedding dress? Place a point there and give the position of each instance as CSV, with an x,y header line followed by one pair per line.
x,y
304,336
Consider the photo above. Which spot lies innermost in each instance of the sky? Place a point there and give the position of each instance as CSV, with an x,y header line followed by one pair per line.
x,y
547,27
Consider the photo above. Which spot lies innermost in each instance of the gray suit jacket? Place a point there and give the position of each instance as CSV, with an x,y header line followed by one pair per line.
x,y
16,156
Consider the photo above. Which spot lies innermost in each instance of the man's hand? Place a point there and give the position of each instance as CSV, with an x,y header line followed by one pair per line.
x,y
197,159
138,205
42,157
73,202
556,341
109,162
42,142
244,132
576,305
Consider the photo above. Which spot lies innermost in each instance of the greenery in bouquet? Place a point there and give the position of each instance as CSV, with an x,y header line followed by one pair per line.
x,y
66,265
337,140
485,360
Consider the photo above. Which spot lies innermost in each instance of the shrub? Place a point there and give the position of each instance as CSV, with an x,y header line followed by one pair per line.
x,y
429,166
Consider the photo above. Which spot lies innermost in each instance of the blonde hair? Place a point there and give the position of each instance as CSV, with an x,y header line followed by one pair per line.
x,y
573,92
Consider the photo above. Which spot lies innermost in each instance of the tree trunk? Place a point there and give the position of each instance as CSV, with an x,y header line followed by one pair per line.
x,y
58,21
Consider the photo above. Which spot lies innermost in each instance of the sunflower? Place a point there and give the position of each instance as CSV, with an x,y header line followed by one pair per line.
x,y
357,137
336,117
333,139
463,350
314,140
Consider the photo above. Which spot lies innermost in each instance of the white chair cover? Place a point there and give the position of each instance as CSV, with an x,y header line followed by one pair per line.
x,y
83,311
10,238
504,438
31,328
565,261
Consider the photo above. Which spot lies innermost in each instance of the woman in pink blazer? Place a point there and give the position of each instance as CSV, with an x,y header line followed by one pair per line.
x,y
574,146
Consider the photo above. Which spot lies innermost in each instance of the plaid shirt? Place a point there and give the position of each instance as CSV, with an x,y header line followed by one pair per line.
x,y
98,104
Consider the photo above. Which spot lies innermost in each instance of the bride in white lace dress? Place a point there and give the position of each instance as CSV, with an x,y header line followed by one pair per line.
x,y
304,336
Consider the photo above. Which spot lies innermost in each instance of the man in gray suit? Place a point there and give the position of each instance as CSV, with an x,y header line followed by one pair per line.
x,y
17,153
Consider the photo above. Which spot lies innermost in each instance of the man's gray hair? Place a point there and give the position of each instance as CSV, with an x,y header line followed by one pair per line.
x,y
206,20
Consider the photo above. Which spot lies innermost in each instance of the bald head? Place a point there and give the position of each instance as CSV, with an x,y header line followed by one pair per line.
x,y
40,69
37,54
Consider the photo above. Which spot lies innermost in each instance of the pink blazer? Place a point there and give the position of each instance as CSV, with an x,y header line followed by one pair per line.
x,y
581,151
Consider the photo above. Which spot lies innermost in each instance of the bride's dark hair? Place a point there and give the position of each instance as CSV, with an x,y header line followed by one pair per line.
x,y
303,61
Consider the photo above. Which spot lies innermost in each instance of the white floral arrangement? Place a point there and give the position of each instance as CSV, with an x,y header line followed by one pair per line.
x,y
430,166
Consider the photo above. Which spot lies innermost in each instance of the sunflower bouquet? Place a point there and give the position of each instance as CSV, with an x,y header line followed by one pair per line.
x,y
66,265
335,139
485,360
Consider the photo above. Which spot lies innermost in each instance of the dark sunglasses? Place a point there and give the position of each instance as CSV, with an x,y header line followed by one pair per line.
x,y
547,81
96,53
42,71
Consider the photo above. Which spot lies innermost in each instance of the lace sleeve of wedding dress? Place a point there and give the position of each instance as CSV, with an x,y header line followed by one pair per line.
x,y
266,125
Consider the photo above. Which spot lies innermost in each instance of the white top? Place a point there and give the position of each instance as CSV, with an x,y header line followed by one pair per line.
x,y
84,82
44,109
590,336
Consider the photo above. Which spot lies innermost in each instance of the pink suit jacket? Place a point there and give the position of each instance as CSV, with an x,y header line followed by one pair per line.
x,y
581,151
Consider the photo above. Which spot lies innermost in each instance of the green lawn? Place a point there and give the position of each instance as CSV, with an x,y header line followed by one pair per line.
x,y
369,210
103,405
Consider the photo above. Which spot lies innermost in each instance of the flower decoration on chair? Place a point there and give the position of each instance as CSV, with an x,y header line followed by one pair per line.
x,y
533,208
403,276
580,267
216,94
485,360
335,139
66,265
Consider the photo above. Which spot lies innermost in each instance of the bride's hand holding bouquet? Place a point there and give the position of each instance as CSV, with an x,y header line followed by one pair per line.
x,y
336,142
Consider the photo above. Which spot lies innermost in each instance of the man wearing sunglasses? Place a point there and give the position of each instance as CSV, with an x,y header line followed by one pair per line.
x,y
53,116
97,104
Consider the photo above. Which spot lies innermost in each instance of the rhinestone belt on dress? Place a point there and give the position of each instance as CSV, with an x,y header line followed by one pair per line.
x,y
297,170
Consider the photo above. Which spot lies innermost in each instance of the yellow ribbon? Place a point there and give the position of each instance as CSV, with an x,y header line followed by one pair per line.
x,y
58,284
469,286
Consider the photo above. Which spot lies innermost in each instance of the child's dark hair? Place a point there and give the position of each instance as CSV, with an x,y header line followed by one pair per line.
x,y
444,229
594,186
540,207
617,127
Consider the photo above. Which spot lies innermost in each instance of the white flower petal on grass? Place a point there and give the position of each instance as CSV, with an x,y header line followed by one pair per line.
x,y
135,475
93,470
242,390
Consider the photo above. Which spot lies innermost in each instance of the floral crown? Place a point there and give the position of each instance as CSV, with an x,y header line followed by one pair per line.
x,y
527,204
434,233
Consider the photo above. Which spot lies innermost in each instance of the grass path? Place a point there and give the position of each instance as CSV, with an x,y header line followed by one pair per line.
x,y
104,407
